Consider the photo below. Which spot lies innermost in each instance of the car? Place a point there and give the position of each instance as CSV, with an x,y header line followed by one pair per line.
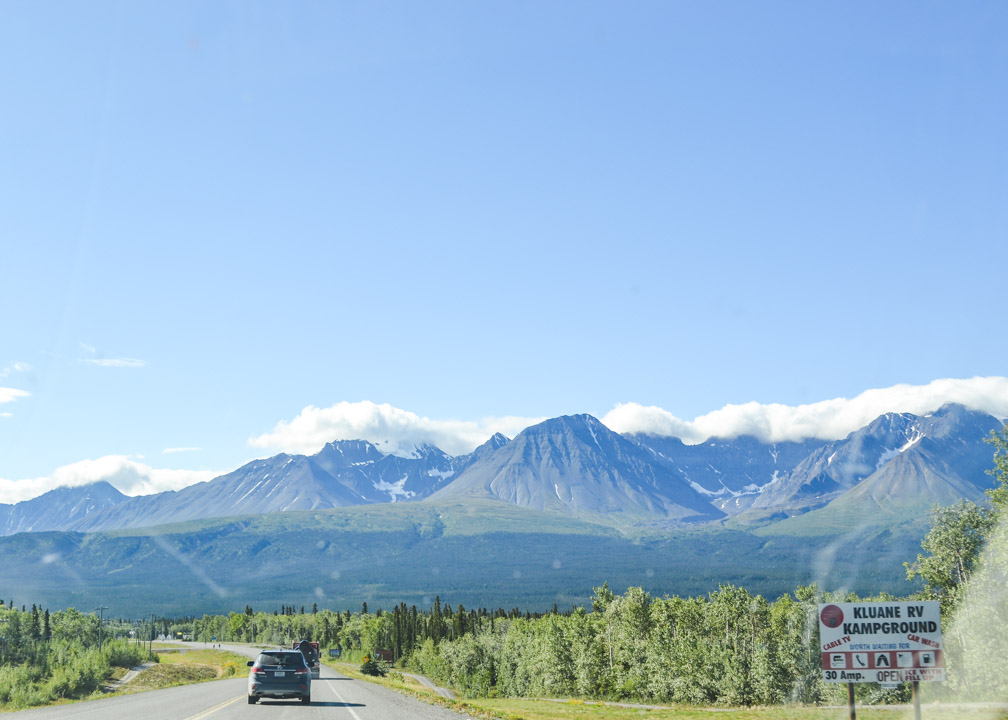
x,y
279,674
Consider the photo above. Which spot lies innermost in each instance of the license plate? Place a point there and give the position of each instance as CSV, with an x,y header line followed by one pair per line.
x,y
279,673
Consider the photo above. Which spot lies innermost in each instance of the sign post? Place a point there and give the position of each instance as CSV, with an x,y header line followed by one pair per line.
x,y
882,642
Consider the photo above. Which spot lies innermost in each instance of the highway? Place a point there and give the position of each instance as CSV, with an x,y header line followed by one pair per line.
x,y
334,697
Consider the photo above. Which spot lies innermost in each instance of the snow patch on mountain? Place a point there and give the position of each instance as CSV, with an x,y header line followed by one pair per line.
x,y
709,493
396,490
889,454
252,489
594,437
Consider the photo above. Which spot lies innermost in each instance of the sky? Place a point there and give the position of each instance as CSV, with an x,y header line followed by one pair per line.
x,y
237,228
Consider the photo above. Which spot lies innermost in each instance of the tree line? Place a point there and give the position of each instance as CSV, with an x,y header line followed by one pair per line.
x,y
47,657
729,647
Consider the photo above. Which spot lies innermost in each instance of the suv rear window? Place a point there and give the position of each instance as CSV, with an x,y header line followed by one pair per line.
x,y
285,659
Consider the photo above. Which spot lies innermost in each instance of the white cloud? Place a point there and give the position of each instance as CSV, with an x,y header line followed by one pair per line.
x,y
94,357
13,368
123,473
169,451
828,420
114,362
8,395
393,430
398,431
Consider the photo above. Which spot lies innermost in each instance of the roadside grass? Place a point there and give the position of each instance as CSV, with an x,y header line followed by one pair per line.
x,y
175,668
223,662
523,709
540,709
185,668
395,680
169,675
117,673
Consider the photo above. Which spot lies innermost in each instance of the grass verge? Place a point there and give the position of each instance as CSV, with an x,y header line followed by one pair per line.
x,y
185,668
163,676
523,709
224,663
532,709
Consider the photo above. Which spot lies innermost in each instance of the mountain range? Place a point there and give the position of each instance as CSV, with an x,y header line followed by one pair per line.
x,y
895,468
531,522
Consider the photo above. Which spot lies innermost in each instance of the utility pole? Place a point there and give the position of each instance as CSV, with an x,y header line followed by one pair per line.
x,y
151,648
100,608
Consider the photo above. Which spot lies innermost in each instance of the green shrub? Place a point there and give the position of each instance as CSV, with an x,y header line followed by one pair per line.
x,y
13,678
120,653
427,661
374,667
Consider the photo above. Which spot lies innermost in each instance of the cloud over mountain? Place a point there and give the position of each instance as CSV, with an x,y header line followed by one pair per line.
x,y
399,432
391,429
126,475
826,420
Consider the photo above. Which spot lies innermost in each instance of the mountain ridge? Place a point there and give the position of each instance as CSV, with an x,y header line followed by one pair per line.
x,y
575,465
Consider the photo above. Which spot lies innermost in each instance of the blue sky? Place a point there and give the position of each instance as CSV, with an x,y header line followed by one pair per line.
x,y
220,219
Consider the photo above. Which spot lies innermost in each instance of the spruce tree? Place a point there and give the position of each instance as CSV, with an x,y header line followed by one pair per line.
x,y
34,627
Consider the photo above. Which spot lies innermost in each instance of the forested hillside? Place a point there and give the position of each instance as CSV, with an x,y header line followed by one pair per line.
x,y
486,553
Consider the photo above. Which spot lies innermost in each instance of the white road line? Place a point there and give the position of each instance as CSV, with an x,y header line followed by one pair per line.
x,y
215,708
345,704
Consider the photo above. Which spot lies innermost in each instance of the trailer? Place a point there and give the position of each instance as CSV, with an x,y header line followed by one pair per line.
x,y
310,650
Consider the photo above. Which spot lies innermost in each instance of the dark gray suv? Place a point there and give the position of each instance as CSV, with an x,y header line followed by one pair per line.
x,y
279,674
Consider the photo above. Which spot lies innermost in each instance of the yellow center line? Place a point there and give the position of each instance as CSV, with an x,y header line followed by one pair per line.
x,y
214,709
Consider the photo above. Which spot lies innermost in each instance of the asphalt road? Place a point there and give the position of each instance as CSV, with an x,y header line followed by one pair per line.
x,y
334,697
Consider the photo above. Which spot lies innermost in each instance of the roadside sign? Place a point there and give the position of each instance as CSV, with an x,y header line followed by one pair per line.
x,y
883,642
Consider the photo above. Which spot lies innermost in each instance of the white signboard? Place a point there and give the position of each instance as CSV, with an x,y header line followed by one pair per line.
x,y
883,642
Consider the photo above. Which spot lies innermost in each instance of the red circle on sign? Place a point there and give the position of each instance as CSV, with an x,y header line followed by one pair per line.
x,y
831,616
